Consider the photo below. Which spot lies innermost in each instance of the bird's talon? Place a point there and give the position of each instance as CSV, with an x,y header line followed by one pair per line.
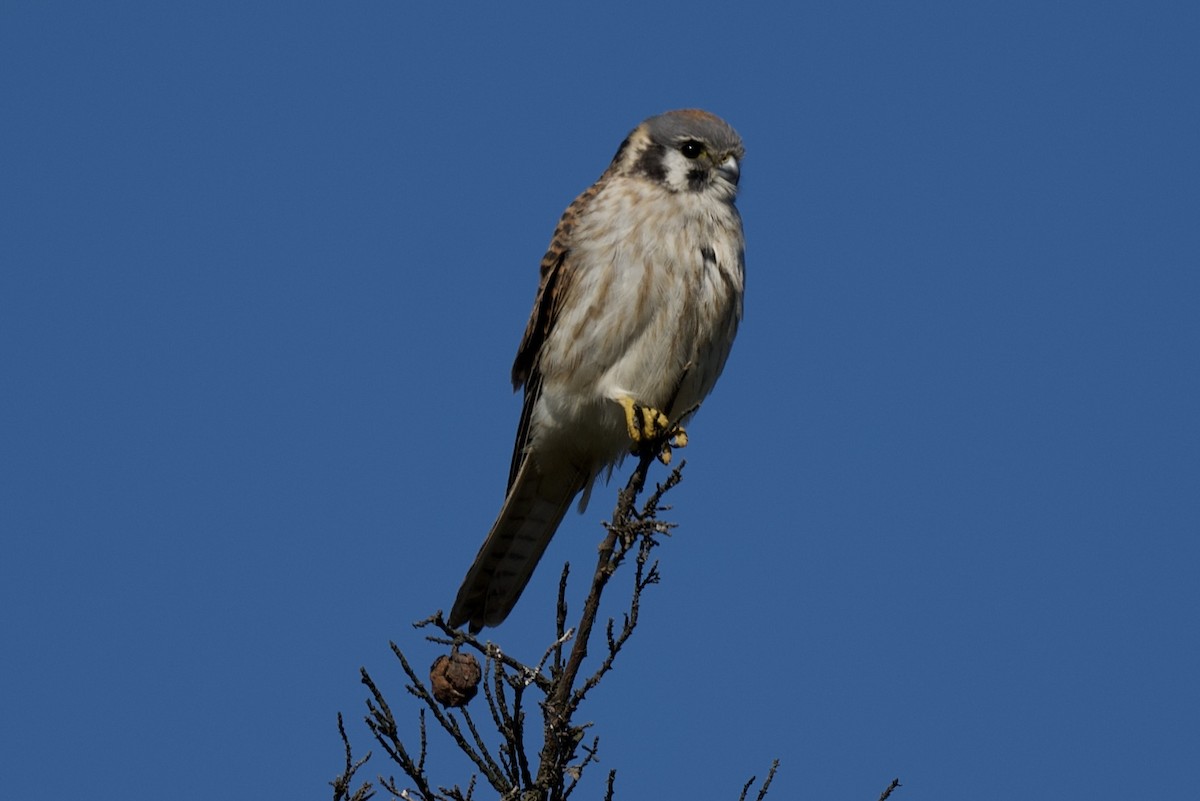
x,y
643,423
679,438
648,428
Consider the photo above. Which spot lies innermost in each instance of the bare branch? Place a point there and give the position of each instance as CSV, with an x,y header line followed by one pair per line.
x,y
576,771
564,756
482,760
612,778
766,785
762,793
341,785
560,736
458,637
483,749
560,620
895,783
383,725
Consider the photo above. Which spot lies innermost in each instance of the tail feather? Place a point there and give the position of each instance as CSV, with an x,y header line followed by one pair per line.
x,y
535,505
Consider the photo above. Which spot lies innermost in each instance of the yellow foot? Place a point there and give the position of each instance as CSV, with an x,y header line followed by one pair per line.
x,y
648,426
677,438
644,423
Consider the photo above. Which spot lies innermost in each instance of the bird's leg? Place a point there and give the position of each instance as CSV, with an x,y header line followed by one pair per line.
x,y
650,428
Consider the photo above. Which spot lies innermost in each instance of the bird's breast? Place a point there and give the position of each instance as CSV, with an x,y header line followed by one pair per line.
x,y
650,306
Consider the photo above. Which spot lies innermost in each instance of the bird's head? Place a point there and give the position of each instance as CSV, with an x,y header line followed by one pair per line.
x,y
686,151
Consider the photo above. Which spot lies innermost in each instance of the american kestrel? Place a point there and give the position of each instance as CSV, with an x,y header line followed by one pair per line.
x,y
639,302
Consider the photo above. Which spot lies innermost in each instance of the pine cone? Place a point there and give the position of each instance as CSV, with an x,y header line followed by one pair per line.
x,y
455,678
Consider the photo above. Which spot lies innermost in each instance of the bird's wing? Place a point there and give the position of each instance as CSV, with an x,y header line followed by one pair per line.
x,y
526,370
556,274
536,500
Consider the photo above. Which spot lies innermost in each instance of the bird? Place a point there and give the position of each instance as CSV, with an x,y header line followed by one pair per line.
x,y
638,303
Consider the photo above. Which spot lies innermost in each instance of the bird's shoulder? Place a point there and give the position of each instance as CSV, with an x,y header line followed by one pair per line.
x,y
554,276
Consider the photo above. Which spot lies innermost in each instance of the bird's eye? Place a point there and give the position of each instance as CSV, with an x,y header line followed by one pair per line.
x,y
691,149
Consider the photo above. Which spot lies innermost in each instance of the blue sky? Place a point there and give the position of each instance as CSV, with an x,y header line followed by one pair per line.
x,y
265,268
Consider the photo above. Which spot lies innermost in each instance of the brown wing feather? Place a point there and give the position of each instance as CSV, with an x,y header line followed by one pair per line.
x,y
533,388
555,272
535,502
555,277
525,368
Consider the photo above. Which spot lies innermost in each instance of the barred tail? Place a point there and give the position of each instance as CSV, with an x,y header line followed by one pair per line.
x,y
531,513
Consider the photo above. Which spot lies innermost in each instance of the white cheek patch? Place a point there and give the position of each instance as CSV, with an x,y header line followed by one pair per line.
x,y
677,168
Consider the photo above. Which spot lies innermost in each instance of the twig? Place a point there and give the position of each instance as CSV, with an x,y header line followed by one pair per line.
x,y
560,620
762,792
895,783
576,771
383,725
557,675
482,759
516,736
458,637
608,793
642,579
766,785
560,736
483,749
341,785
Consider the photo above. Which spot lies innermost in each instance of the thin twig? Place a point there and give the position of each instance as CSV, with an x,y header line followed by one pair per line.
x,y
517,735
560,620
576,771
483,760
341,785
508,769
459,637
559,743
382,724
554,650
766,785
895,783
627,530
479,743
762,793
608,793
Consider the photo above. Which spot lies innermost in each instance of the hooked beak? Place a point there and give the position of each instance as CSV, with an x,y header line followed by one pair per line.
x,y
730,170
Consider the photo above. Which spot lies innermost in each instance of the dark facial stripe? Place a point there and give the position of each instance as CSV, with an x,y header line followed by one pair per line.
x,y
650,163
697,179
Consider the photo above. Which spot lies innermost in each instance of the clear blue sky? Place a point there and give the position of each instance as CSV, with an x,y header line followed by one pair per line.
x,y
263,269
